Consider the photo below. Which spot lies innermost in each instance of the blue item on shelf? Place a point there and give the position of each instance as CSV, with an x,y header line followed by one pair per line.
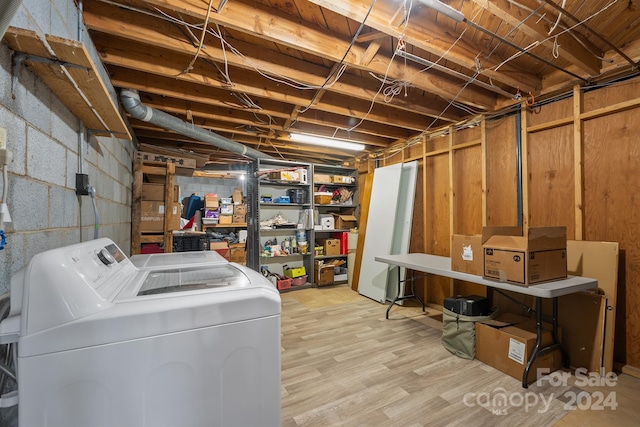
x,y
194,203
283,199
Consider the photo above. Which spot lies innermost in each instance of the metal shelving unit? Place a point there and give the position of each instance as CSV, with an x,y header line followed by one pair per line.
x,y
266,183
322,209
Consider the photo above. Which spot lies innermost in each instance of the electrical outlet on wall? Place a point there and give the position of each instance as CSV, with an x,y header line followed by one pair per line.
x,y
3,138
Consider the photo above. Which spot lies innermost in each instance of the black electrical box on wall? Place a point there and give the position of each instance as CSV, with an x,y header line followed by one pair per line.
x,y
82,184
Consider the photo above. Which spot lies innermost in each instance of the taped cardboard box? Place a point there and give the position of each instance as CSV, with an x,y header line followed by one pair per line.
x,y
506,343
151,191
466,254
344,221
324,271
539,257
151,216
331,246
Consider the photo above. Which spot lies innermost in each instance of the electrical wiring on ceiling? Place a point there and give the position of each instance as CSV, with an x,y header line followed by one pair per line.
x,y
383,80
566,30
341,62
478,69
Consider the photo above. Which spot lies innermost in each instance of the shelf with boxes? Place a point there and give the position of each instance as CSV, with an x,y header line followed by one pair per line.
x,y
335,206
155,211
283,218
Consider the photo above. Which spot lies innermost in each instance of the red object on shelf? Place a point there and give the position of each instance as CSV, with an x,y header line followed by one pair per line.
x,y
284,284
151,248
343,236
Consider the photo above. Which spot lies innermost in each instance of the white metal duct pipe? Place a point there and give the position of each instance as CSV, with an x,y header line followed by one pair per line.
x,y
131,102
7,10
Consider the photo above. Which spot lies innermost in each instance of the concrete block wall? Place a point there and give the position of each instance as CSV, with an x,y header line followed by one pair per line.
x,y
49,148
200,186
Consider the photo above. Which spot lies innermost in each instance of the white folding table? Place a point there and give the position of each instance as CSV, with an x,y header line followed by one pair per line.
x,y
441,266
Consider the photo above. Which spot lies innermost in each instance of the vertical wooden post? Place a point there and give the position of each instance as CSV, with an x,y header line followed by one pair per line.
x,y
136,208
525,169
483,154
578,172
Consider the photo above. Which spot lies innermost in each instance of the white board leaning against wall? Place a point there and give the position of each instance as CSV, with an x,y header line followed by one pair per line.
x,y
388,227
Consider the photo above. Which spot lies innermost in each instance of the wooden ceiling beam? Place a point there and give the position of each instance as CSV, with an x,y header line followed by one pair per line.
x,y
155,32
199,87
270,24
424,34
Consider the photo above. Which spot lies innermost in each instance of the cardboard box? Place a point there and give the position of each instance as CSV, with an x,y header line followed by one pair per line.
x,y
466,254
237,252
218,245
156,192
331,246
321,178
342,179
238,218
344,222
324,274
240,209
237,195
211,201
327,222
153,192
507,342
152,217
539,257
225,219
285,176
226,209
184,166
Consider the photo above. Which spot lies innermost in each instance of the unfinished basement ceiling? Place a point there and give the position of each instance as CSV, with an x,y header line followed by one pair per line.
x,y
358,70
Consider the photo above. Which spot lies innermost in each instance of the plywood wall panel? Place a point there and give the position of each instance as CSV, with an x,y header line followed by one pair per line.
x,y
604,97
550,112
550,180
467,190
436,211
501,172
612,213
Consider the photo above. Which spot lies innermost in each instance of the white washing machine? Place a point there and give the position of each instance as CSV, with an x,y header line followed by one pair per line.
x,y
104,343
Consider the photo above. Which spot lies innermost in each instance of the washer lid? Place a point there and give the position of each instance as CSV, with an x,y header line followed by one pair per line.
x,y
177,259
190,278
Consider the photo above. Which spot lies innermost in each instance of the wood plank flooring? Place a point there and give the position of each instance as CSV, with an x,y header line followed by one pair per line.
x,y
344,364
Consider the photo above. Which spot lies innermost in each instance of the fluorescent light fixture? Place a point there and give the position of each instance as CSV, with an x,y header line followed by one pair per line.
x,y
326,142
444,9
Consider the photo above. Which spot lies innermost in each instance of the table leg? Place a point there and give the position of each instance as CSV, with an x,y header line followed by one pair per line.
x,y
536,349
554,334
397,294
413,291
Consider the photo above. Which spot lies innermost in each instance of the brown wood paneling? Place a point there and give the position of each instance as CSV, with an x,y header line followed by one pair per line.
x,y
612,211
602,98
501,172
551,183
550,112
436,210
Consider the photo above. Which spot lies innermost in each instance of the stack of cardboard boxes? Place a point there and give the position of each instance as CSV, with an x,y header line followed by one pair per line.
x,y
507,255
153,208
225,211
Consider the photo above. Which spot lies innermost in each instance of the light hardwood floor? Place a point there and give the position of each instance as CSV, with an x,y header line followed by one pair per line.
x,y
344,364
